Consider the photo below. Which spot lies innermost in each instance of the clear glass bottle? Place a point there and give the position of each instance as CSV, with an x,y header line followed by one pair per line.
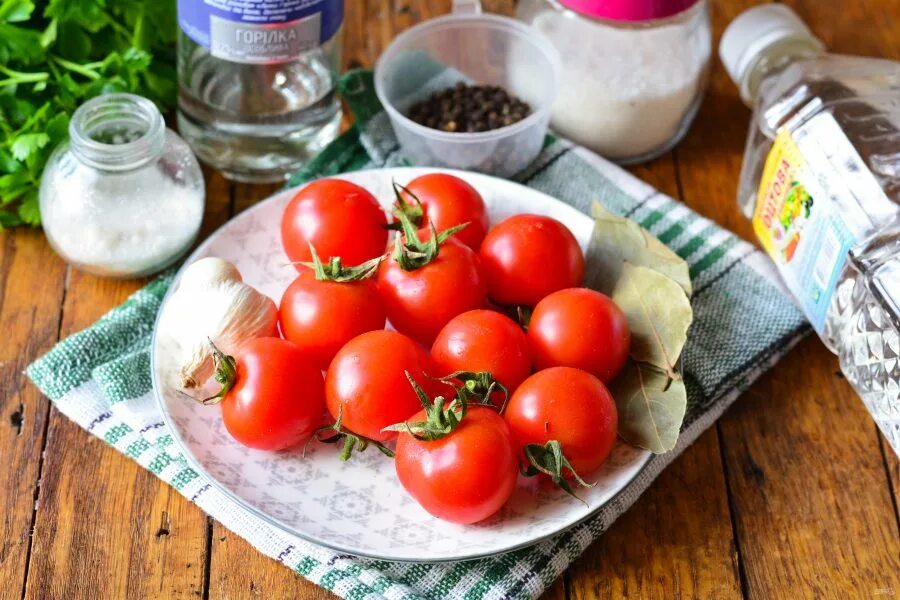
x,y
633,71
821,181
257,83
124,196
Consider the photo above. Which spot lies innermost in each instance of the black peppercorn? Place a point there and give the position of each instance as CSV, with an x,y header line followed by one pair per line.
x,y
469,108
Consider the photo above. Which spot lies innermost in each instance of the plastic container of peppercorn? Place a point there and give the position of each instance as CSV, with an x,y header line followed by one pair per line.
x,y
477,49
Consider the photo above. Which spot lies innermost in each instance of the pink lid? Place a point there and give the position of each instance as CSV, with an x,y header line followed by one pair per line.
x,y
629,10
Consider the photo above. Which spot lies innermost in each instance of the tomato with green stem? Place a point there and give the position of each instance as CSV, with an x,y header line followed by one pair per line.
x,y
271,397
457,461
424,284
484,340
338,218
527,257
366,385
580,328
326,306
565,422
446,201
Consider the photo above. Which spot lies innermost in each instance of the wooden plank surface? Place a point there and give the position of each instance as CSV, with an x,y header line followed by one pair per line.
x,y
793,494
32,281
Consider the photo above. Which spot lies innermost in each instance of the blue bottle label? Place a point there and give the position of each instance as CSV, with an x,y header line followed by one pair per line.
x,y
260,31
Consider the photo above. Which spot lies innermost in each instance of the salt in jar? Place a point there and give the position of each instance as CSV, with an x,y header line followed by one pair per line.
x,y
634,71
124,195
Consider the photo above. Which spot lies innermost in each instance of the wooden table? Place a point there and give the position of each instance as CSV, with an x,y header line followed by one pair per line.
x,y
793,493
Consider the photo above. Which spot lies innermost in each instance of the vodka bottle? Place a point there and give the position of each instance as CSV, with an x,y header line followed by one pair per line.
x,y
821,181
257,79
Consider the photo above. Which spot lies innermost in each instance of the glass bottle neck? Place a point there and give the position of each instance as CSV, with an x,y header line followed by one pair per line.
x,y
117,132
774,59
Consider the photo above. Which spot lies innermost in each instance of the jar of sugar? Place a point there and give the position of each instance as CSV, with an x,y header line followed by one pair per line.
x,y
634,71
124,195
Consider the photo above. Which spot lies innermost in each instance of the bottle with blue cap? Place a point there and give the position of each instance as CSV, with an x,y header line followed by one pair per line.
x,y
821,181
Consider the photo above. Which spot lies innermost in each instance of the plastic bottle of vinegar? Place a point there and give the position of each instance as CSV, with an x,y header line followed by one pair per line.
x,y
821,181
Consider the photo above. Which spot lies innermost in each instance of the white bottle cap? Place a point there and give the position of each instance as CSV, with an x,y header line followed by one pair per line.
x,y
753,31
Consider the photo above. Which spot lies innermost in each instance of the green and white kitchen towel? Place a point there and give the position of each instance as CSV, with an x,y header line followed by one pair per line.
x,y
744,323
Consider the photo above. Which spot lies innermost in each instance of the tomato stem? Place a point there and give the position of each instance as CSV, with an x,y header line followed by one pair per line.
x,y
413,253
415,212
550,460
523,313
350,441
441,417
335,271
477,387
225,374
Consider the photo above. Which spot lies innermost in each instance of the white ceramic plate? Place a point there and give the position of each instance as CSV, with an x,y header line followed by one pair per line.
x,y
358,507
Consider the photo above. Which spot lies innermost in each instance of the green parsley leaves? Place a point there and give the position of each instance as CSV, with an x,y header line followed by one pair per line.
x,y
56,54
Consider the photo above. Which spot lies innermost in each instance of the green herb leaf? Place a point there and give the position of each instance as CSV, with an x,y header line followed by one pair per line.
x,y
617,240
29,209
651,406
17,44
658,313
8,219
90,15
48,37
28,144
57,128
7,163
16,11
55,55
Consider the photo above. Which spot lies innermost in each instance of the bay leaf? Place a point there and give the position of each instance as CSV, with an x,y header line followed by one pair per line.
x,y
616,240
658,313
651,406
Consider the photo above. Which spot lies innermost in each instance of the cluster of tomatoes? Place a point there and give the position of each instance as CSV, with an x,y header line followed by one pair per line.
x,y
466,391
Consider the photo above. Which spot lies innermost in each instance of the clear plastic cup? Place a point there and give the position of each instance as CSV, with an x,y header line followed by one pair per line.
x,y
478,49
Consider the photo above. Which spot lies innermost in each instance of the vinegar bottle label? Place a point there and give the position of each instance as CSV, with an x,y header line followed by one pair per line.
x,y
816,201
260,31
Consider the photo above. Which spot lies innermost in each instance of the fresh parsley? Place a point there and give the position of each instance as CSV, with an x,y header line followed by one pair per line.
x,y
54,55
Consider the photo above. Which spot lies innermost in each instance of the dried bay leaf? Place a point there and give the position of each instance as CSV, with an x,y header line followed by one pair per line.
x,y
616,240
651,406
658,313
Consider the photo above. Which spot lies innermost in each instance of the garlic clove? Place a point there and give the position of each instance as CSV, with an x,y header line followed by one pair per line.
x,y
212,303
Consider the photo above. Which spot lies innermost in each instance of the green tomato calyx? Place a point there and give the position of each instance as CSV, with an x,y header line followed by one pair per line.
x,y
335,271
550,460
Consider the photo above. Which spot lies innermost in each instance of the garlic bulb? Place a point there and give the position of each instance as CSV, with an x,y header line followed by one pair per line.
x,y
212,303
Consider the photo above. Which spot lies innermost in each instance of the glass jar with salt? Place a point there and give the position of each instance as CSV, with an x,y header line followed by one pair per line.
x,y
634,71
124,195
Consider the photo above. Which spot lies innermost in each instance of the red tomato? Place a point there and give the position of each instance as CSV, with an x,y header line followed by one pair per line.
x,y
321,316
465,476
339,218
484,340
420,302
366,382
278,398
580,328
527,257
448,201
570,406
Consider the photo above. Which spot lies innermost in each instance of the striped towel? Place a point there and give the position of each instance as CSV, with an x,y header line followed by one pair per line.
x,y
743,324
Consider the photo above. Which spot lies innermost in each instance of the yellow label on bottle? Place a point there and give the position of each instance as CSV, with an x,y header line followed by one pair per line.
x,y
782,201
799,214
